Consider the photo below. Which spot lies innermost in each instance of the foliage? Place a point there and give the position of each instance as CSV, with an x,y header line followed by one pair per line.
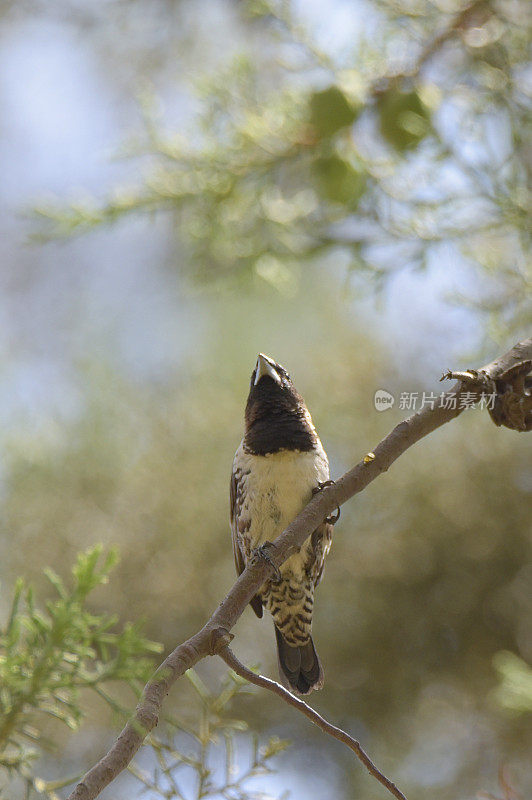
x,y
403,117
187,758
373,154
47,657
330,111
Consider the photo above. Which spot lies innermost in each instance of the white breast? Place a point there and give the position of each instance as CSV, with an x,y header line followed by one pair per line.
x,y
276,487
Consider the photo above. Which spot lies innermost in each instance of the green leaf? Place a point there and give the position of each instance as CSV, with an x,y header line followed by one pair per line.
x,y
275,745
19,587
515,689
338,181
258,8
330,111
404,118
56,581
85,570
199,686
50,786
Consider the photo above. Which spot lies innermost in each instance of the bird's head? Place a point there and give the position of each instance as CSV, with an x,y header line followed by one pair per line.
x,y
276,415
268,374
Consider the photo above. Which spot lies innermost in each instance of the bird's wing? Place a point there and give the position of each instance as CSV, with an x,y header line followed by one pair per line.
x,y
233,515
321,541
235,504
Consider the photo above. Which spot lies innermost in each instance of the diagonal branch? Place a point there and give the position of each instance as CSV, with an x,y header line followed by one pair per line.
x,y
266,683
208,641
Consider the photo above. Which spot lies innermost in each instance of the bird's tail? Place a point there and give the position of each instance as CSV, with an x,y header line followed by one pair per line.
x,y
300,669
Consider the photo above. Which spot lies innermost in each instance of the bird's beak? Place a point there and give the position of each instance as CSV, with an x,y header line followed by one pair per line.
x,y
265,367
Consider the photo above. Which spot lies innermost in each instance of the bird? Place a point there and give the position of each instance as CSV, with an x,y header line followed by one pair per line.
x,y
278,466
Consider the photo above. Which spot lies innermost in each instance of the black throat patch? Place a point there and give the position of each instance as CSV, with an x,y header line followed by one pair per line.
x,y
277,419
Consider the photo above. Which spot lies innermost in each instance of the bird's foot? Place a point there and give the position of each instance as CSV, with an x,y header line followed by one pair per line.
x,y
262,553
333,518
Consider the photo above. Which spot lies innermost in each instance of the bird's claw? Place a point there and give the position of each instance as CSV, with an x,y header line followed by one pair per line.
x,y
261,553
333,518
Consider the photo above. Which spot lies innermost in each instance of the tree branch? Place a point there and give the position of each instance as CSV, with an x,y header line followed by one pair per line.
x,y
266,683
480,9
208,640
475,13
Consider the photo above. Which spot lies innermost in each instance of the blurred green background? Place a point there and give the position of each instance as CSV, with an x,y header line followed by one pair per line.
x,y
344,186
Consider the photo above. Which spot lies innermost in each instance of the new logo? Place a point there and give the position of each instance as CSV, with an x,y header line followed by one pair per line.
x,y
383,400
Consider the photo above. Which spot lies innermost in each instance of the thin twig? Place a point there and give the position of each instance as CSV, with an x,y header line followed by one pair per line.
x,y
266,683
215,634
457,24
